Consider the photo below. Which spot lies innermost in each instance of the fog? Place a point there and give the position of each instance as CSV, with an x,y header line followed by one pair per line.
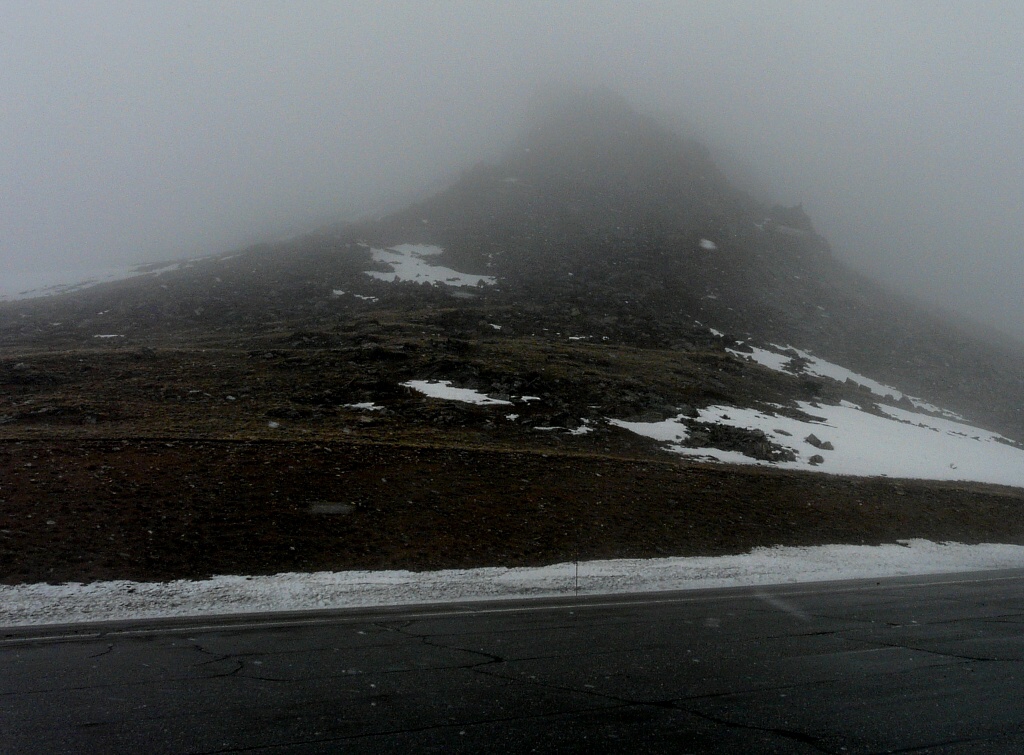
x,y
134,131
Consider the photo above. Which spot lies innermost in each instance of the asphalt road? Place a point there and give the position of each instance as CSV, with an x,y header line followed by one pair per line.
x,y
930,664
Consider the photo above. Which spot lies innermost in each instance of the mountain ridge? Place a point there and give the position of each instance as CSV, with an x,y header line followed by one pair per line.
x,y
598,218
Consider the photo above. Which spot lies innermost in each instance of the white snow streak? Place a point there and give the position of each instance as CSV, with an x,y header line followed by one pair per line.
x,y
818,367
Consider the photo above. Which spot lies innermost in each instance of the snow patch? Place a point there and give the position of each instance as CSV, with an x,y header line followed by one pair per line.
x,y
583,429
765,358
443,389
408,263
900,443
339,292
666,431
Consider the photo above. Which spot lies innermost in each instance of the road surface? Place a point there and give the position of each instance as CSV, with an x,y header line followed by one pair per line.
x,y
932,664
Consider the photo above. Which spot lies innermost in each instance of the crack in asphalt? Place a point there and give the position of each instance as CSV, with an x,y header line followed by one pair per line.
x,y
799,736
671,704
217,658
141,683
414,730
110,649
940,653
392,627
425,639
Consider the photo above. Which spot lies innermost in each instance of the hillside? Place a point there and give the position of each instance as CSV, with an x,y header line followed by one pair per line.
x,y
605,300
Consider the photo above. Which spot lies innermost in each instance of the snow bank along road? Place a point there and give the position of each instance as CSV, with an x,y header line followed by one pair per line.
x,y
923,663
122,599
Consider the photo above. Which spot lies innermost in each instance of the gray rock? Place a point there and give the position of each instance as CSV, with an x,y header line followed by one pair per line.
x,y
815,441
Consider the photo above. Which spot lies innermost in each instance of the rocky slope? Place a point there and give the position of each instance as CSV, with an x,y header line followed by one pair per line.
x,y
603,272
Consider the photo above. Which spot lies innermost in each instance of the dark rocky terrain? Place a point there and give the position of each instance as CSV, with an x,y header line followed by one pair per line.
x,y
184,423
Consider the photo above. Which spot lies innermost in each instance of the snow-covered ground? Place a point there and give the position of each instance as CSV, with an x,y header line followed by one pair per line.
x,y
99,601
838,439
409,263
882,440
896,443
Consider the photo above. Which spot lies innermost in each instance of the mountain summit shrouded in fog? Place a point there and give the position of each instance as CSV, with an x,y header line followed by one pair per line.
x,y
194,128
598,205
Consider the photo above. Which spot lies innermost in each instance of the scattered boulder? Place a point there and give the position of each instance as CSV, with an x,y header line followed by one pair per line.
x,y
753,443
815,441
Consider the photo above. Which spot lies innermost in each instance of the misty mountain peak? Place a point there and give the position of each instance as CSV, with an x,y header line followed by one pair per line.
x,y
585,121
597,137
589,164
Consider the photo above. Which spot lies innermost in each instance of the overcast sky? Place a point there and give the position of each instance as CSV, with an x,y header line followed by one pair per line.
x,y
138,131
